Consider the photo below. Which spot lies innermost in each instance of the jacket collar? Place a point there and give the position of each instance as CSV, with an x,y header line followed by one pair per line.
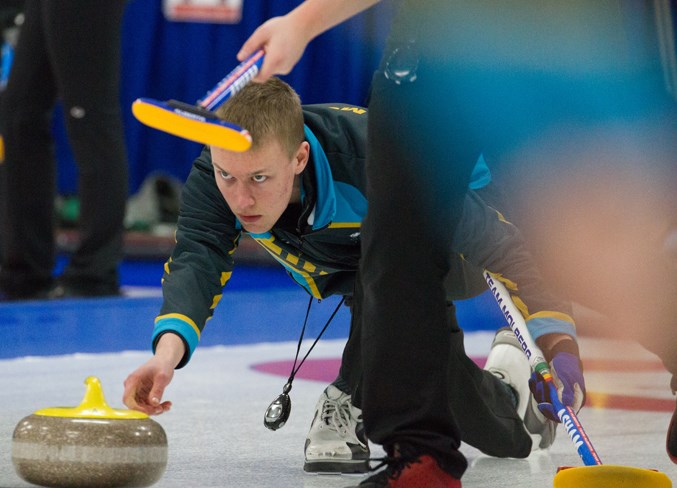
x,y
325,197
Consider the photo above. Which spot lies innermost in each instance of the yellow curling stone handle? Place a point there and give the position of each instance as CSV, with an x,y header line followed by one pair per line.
x,y
93,406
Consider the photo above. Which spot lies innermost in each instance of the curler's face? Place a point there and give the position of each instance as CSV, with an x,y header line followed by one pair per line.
x,y
259,184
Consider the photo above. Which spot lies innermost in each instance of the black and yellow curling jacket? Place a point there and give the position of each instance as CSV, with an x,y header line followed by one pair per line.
x,y
319,244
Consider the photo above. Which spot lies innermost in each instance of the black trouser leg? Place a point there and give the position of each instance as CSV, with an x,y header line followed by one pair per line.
x,y
415,197
350,373
28,173
480,403
483,407
88,78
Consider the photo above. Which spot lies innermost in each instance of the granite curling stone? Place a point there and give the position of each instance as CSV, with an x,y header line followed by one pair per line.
x,y
92,445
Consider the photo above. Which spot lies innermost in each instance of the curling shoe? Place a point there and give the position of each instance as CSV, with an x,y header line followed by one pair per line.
x,y
336,442
507,362
411,471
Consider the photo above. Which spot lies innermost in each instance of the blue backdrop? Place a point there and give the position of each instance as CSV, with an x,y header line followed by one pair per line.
x,y
178,60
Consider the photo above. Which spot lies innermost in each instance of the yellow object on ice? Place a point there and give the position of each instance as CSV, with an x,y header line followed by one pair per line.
x,y
93,406
610,476
192,128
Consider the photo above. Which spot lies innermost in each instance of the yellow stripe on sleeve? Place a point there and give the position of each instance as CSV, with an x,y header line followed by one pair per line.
x,y
553,315
180,316
215,302
225,276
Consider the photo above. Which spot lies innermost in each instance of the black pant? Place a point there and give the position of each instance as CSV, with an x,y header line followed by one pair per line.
x,y
401,298
481,403
68,49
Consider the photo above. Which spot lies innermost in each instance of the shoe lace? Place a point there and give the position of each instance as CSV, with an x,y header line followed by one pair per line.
x,y
336,415
395,464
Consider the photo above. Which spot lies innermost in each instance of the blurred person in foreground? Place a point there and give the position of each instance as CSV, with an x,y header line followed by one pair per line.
x,y
493,77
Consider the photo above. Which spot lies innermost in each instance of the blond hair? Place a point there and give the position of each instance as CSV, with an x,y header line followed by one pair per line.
x,y
267,110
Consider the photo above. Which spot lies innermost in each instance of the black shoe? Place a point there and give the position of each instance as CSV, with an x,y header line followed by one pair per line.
x,y
83,289
16,294
671,441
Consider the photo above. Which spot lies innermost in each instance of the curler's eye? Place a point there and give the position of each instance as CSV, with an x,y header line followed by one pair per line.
x,y
224,175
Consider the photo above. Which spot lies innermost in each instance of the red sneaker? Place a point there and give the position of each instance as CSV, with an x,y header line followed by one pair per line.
x,y
422,472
